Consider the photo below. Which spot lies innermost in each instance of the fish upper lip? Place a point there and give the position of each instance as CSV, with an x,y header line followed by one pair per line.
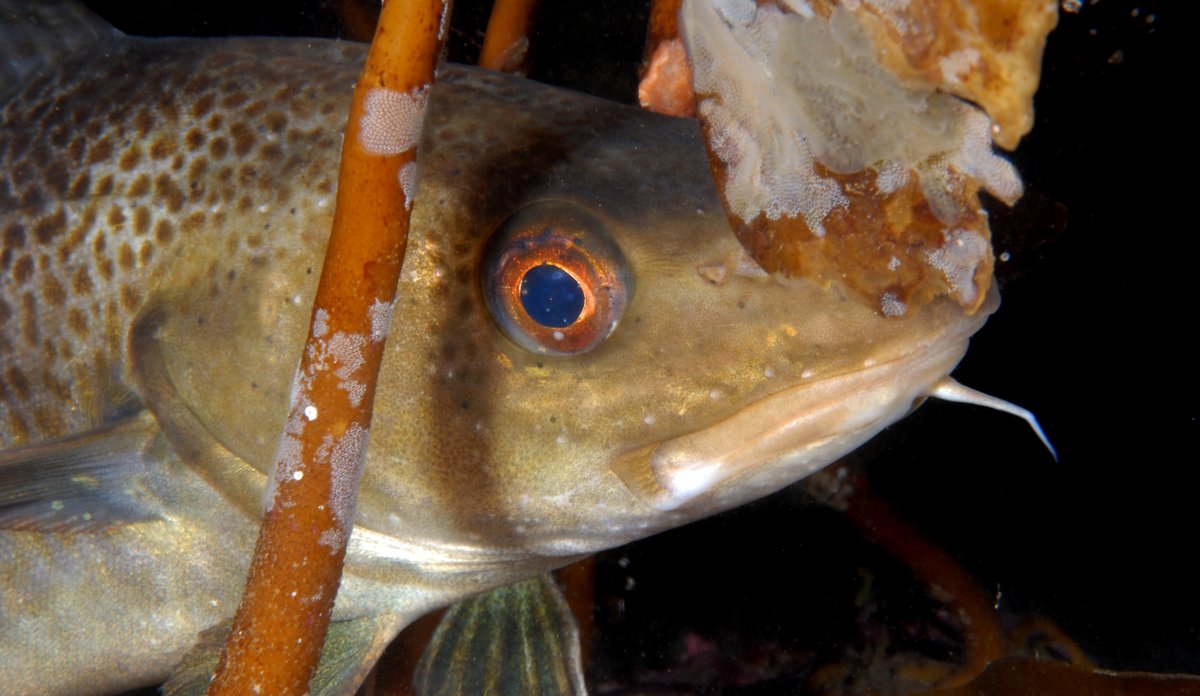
x,y
785,436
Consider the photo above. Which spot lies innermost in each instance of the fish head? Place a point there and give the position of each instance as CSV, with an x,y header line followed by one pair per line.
x,y
669,380
580,351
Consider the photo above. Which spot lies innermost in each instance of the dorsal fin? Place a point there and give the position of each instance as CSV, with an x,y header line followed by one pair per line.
x,y
36,35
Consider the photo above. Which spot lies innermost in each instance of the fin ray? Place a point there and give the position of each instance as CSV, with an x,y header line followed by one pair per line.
x,y
515,640
81,483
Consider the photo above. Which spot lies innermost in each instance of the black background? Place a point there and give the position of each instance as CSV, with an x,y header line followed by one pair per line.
x,y
1095,336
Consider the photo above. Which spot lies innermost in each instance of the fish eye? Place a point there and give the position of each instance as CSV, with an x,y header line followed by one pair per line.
x,y
554,281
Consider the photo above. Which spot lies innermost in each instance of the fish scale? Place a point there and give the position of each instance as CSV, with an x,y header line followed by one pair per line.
x,y
101,197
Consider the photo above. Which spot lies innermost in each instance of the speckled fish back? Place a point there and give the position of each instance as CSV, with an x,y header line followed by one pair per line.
x,y
144,164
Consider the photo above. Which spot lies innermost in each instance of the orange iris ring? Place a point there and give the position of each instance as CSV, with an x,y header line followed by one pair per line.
x,y
596,318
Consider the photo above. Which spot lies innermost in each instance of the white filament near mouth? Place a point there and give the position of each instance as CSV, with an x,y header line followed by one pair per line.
x,y
947,389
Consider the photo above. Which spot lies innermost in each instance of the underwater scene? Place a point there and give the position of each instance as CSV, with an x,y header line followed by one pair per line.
x,y
971,538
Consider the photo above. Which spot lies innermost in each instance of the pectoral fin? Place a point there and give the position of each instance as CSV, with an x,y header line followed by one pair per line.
x,y
351,648
83,483
513,641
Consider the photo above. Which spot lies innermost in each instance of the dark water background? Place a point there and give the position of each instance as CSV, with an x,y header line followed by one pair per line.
x,y
1093,337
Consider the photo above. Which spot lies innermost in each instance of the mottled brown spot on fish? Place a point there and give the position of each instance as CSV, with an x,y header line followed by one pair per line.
x,y
234,99
32,201
99,244
140,186
57,179
163,147
116,217
254,109
79,233
168,192
243,139
197,84
143,121
77,150
59,136
29,323
195,174
275,122
271,152
125,257
145,253
194,139
203,105
77,321
46,229
22,270
104,187
218,148
167,108
164,231
131,158
52,291
39,154
14,237
81,282
193,222
79,187
18,428
130,298
247,175
47,420
5,312
141,220
51,383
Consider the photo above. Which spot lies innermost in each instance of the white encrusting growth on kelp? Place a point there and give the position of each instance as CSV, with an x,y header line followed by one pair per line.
x,y
784,93
391,121
341,352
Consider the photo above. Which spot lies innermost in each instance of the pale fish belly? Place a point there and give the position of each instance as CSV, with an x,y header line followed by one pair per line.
x,y
113,170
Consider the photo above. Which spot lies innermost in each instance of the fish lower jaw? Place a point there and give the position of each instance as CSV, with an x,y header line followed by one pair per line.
x,y
781,438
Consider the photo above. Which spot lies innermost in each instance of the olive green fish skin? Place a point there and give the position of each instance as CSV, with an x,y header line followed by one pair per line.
x,y
163,209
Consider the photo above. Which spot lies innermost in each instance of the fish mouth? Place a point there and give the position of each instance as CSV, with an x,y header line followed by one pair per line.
x,y
785,436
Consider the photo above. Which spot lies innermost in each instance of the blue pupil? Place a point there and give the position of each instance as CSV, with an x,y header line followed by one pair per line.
x,y
551,296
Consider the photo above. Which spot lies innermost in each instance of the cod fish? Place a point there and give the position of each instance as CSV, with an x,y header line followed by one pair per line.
x,y
164,206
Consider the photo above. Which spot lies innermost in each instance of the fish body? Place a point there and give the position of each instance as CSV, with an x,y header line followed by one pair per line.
x,y
164,206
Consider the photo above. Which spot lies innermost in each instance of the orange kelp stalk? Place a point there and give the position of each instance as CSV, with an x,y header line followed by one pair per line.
x,y
840,149
506,43
280,625
666,79
950,582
